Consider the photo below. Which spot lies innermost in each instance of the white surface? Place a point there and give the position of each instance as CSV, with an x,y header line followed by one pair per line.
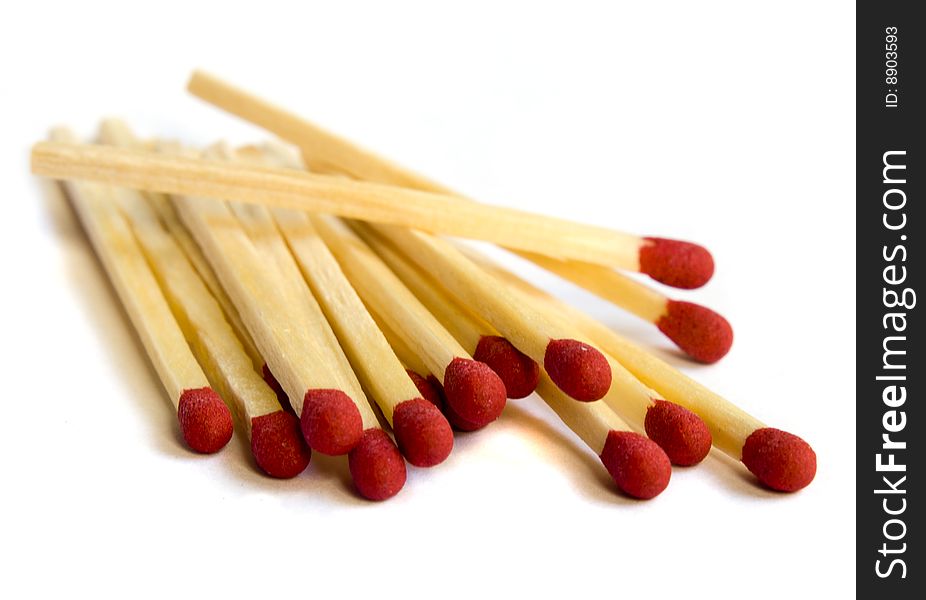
x,y
726,123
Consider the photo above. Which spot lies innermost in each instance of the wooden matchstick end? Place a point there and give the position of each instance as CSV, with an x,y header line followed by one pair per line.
x,y
473,391
517,371
278,446
781,460
205,421
376,466
422,432
578,369
681,433
676,263
701,333
430,388
331,423
637,464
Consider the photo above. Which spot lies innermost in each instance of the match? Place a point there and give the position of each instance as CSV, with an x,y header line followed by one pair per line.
x,y
780,460
205,420
276,441
517,371
671,262
638,466
474,394
700,332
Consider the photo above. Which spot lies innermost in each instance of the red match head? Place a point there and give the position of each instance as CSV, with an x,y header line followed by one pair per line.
x,y
430,388
473,391
205,421
278,446
331,422
578,369
682,434
422,432
679,264
700,332
271,381
638,466
376,466
780,460
517,371
459,423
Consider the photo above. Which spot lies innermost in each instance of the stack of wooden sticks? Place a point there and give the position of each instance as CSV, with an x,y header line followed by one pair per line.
x,y
305,294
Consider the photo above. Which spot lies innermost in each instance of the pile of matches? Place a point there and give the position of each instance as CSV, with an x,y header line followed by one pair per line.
x,y
292,289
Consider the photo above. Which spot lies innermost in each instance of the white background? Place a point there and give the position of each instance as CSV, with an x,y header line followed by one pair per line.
x,y
728,123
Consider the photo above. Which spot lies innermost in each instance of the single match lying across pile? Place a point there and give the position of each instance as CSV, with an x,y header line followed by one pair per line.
x,y
306,293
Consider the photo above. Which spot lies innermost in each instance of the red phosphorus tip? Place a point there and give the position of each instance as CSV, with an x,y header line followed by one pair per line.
x,y
578,369
422,432
637,464
278,446
679,264
780,460
270,380
473,391
205,421
458,422
430,388
331,422
681,433
702,333
376,466
517,371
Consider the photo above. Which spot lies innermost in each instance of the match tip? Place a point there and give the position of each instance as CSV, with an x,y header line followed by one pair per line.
x,y
331,423
780,460
430,388
422,432
274,384
639,467
473,391
679,264
205,421
578,369
700,332
376,466
278,446
517,371
681,433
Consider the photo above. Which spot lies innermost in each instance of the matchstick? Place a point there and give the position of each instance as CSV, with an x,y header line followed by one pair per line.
x,y
517,371
438,213
700,332
422,432
638,466
675,263
205,421
576,367
276,440
474,394
780,460
683,436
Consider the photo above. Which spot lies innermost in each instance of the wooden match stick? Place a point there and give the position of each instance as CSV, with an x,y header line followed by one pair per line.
x,y
422,432
780,460
700,332
517,371
276,441
474,394
682,435
638,466
675,263
205,421
576,367
285,188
